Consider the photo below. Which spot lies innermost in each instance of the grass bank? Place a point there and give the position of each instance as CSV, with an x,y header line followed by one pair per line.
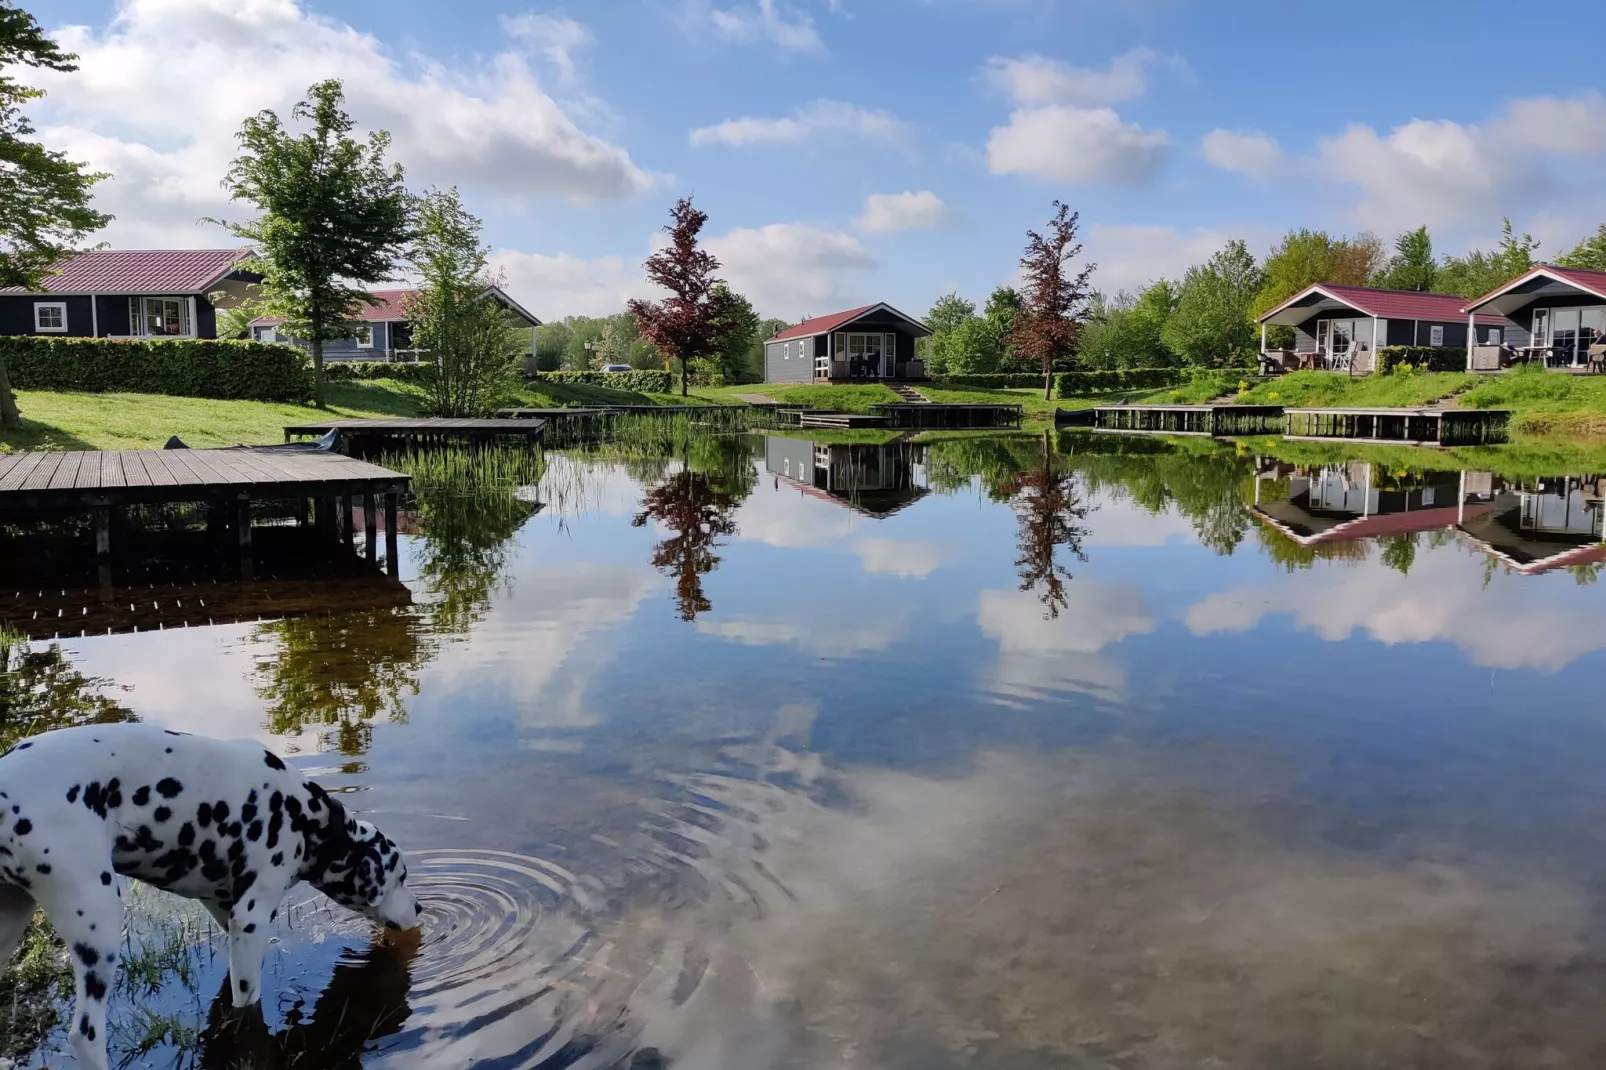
x,y
1525,457
1338,390
1544,403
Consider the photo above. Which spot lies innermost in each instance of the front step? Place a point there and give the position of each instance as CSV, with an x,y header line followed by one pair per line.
x,y
909,393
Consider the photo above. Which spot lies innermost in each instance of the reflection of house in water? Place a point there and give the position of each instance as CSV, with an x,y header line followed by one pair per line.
x,y
876,481
1540,524
1341,503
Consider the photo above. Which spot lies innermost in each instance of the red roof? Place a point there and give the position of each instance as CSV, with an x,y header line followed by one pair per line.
x,y
1591,281
138,271
1391,304
391,309
821,324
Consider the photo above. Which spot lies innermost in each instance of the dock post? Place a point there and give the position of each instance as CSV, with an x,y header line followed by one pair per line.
x,y
242,525
103,545
392,561
324,508
346,528
370,526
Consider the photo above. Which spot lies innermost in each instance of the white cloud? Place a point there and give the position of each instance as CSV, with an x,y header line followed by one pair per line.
x,y
1513,623
491,126
1034,79
826,633
1065,143
790,269
764,21
1132,255
823,117
899,557
1248,152
554,36
1571,126
558,285
1038,656
909,210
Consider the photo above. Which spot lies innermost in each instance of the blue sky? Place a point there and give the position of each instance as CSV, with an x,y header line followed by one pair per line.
x,y
851,151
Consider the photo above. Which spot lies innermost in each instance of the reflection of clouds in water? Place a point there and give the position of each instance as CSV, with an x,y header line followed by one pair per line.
x,y
198,680
570,488
1036,656
826,630
1515,622
791,520
1042,911
1118,521
903,558
556,622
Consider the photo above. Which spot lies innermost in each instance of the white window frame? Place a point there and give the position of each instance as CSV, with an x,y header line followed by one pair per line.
x,y
186,316
1436,334
267,334
59,307
365,336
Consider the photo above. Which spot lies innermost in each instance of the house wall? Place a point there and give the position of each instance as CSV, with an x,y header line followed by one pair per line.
x,y
1399,332
779,368
347,348
113,312
790,457
16,315
1518,331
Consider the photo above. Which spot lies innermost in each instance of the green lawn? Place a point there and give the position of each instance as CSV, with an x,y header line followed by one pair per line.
x,y
139,421
1544,403
1339,390
804,396
543,394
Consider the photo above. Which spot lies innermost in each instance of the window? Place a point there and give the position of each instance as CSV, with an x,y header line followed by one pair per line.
x,y
365,337
1436,335
163,316
267,334
50,317
1494,336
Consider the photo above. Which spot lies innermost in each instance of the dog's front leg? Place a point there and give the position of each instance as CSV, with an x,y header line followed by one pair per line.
x,y
87,911
249,931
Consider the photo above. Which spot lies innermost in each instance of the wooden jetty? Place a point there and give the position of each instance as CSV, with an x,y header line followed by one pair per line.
x,y
422,431
953,417
593,410
839,420
1190,419
1413,427
101,480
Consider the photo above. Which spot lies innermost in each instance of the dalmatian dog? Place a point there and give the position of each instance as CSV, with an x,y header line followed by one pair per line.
x,y
226,823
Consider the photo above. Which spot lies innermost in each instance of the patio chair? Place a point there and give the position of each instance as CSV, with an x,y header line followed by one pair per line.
x,y
1597,358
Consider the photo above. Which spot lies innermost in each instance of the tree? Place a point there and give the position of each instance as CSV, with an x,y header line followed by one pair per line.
x,y
945,317
1589,253
551,345
1055,302
685,327
1126,331
736,331
1478,272
474,341
698,512
1048,515
41,690
44,197
612,348
335,217
1212,325
1356,260
1413,266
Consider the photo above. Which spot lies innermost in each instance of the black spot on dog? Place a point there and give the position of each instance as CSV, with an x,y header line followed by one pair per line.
x,y
22,827
186,835
72,793
244,987
203,814
142,795
105,878
254,833
220,811
170,732
168,787
278,858
86,954
161,813
251,927
94,987
114,794
272,760
86,1029
43,867
22,746
169,750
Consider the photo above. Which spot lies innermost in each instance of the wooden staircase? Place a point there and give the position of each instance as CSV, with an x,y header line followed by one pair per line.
x,y
909,393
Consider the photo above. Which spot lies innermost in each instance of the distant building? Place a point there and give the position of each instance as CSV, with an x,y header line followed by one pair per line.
x,y
1342,327
130,293
875,342
1551,314
382,330
874,481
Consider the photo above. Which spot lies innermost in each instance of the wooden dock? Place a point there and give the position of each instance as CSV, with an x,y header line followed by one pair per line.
x,y
839,420
101,480
1412,427
1190,419
422,431
953,417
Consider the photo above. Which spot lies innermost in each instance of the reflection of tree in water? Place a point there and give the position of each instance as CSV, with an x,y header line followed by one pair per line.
x,y
697,503
1049,515
41,690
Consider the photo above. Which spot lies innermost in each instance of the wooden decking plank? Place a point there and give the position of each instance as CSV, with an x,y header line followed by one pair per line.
x,y
88,477
224,473
188,473
156,463
14,470
39,478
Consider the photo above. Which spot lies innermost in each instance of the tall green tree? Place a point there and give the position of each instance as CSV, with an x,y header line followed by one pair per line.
x,y
1213,324
44,197
945,317
1478,272
1589,253
736,328
1413,265
551,345
1126,331
474,341
335,217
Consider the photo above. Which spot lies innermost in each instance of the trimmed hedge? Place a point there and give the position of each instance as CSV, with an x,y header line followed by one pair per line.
x,y
185,367
1423,358
643,382
1077,384
351,370
991,380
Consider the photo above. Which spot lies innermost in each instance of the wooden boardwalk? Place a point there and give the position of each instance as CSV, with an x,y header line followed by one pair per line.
x,y
1190,419
952,416
1412,427
422,430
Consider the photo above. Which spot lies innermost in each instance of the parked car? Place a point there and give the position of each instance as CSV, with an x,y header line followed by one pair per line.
x,y
617,368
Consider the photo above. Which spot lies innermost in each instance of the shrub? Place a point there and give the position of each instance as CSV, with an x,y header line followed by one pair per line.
x,y
1076,384
643,382
991,381
185,367
1422,358
353,370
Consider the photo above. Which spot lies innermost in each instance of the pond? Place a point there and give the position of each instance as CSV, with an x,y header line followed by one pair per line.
x,y
973,751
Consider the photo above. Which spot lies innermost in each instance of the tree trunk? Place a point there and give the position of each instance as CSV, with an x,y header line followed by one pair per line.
x,y
317,364
1048,381
684,366
10,418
